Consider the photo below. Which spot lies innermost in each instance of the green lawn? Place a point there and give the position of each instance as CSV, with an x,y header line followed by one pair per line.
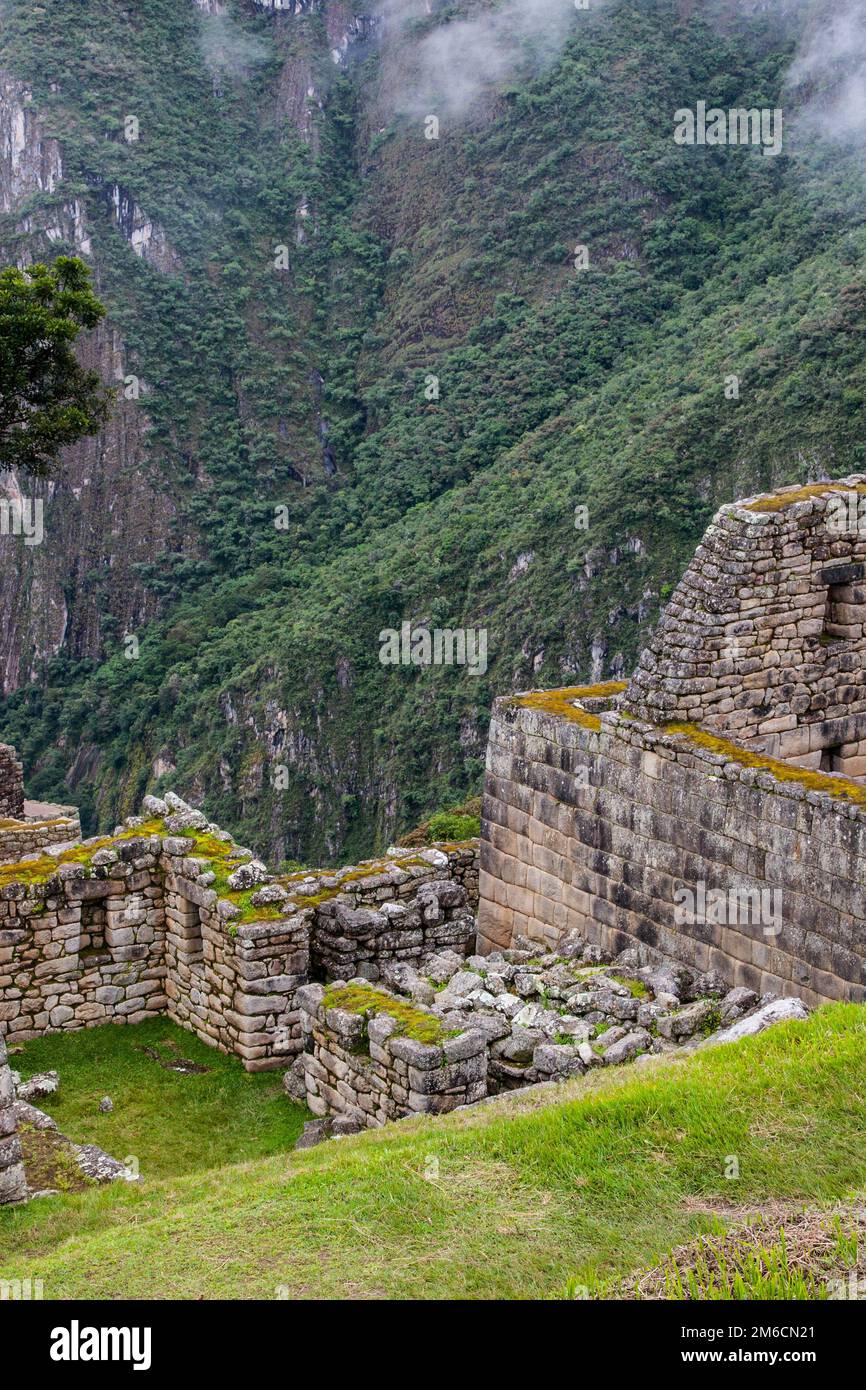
x,y
528,1198
167,1122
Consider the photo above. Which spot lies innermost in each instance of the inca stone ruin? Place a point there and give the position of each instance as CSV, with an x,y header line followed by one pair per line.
x,y
661,863
732,764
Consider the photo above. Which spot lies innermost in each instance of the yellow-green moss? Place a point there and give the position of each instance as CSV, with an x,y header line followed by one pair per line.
x,y
368,1002
561,702
777,501
836,786
636,988
35,871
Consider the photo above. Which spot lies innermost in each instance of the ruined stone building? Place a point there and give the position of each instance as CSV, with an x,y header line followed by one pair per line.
x,y
711,812
730,768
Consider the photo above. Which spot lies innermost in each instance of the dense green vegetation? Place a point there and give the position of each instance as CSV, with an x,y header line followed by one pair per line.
x,y
558,389
47,398
523,1199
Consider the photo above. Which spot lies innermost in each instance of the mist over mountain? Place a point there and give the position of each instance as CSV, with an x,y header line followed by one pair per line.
x,y
364,377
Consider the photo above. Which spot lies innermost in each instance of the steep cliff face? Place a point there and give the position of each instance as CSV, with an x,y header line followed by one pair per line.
x,y
377,386
72,587
30,161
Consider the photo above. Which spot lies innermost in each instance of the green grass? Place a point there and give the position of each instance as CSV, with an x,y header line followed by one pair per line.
x,y
522,1199
172,1123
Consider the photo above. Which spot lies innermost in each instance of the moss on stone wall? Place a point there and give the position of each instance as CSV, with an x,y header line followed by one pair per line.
x,y
829,783
778,501
562,702
369,1002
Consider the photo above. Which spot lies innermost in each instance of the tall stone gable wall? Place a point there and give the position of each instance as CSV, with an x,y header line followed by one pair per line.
x,y
763,639
597,829
11,783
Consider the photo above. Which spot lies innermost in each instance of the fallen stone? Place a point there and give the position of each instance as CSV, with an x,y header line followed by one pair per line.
x,y
271,893
627,1047
314,1132
248,875
779,1011
688,1021
556,1059
45,1083
737,1002
96,1164
26,1114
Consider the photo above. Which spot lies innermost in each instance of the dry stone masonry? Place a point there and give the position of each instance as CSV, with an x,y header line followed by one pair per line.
x,y
663,864
371,1058
13,1184
711,810
169,915
763,639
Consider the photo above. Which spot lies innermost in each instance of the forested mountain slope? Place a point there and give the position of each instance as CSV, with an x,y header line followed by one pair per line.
x,y
287,261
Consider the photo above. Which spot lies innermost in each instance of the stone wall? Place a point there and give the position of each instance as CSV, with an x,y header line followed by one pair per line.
x,y
131,925
763,639
368,1070
598,822
23,837
85,945
412,918
11,783
13,1184
234,986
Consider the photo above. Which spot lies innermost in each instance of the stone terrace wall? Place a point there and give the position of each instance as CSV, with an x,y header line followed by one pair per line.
x,y
11,783
24,837
763,639
367,1070
596,829
13,1184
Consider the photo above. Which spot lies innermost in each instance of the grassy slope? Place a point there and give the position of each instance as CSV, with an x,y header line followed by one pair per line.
x,y
529,1199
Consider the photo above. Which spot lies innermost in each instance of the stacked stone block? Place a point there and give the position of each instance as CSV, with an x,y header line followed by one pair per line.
x,y
598,829
11,783
26,838
367,1070
13,1184
80,948
138,929
409,925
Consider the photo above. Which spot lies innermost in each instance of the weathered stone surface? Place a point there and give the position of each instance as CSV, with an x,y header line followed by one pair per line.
x,y
777,1011
44,1084
627,1047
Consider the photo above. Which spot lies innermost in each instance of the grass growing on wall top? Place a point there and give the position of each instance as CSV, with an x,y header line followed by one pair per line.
x,y
829,783
412,1023
562,702
778,501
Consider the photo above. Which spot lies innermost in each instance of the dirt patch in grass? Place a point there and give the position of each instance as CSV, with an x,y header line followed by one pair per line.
x,y
172,1062
49,1161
